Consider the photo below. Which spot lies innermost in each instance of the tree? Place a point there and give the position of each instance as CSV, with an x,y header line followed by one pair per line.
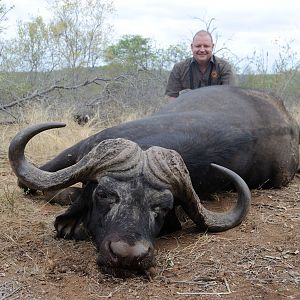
x,y
173,54
75,37
132,51
79,31
33,45
3,13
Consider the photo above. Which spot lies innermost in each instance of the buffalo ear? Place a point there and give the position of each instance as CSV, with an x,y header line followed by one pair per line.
x,y
71,224
64,196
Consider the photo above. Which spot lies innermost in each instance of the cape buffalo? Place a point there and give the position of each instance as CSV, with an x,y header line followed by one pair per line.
x,y
135,174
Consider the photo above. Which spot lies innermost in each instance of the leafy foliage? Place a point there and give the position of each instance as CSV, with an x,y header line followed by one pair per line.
x,y
131,51
79,31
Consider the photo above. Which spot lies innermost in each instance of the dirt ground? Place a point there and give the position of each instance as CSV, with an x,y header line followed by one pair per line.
x,y
259,259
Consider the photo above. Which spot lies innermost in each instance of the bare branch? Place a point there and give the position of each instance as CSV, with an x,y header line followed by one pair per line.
x,y
4,110
5,12
36,93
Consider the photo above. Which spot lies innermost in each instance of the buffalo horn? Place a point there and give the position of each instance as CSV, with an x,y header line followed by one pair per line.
x,y
169,168
119,157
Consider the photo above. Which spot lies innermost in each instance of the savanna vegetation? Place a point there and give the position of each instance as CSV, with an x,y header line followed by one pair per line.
x,y
69,66
72,63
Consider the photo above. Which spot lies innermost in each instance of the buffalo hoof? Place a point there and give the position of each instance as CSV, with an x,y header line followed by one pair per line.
x,y
70,228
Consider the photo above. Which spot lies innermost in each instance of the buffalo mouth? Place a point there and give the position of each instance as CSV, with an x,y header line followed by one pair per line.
x,y
128,269
149,273
126,263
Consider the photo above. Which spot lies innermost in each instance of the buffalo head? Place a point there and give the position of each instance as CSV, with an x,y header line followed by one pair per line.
x,y
127,199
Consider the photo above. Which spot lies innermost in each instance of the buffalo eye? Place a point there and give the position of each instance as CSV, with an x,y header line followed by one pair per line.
x,y
159,211
104,198
156,211
162,203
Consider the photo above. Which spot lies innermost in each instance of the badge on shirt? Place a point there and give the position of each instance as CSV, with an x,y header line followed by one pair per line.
x,y
214,75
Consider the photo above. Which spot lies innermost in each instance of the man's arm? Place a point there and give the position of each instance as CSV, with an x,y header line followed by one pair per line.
x,y
174,83
170,98
227,76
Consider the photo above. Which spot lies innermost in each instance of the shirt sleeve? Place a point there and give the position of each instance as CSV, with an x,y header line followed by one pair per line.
x,y
226,74
174,85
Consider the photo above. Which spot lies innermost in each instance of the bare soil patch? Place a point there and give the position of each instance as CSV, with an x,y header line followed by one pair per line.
x,y
260,259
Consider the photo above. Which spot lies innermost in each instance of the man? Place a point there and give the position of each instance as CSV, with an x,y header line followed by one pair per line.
x,y
203,69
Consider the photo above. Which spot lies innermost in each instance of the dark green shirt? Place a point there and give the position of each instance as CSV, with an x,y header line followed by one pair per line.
x,y
186,75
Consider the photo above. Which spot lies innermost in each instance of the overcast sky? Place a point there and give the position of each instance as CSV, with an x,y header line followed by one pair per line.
x,y
245,26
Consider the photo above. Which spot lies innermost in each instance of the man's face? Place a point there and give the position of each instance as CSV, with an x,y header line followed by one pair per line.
x,y
202,48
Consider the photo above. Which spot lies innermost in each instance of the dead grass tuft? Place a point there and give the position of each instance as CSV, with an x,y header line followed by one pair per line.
x,y
47,144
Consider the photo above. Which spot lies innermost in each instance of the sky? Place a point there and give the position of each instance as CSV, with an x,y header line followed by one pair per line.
x,y
242,26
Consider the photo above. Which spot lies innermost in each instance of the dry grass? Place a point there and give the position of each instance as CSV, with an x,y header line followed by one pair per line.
x,y
55,140
259,259
295,111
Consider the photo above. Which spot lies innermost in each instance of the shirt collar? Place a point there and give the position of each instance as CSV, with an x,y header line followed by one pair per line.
x,y
212,60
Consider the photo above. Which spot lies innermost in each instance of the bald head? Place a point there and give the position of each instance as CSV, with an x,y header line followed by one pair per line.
x,y
202,47
203,33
